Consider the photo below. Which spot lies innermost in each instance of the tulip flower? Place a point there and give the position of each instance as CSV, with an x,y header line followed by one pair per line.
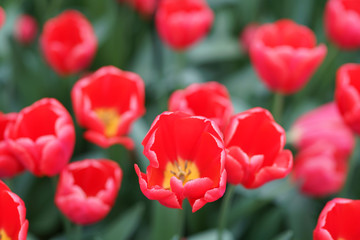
x,y
13,224
323,124
68,42
347,94
87,190
144,7
25,29
187,160
182,23
285,55
210,100
339,220
42,137
9,164
319,170
2,17
342,19
247,36
255,149
106,103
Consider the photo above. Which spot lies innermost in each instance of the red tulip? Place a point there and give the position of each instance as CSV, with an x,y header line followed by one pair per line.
x,y
339,220
87,190
42,137
13,225
347,94
107,102
342,19
187,158
285,55
9,164
319,170
182,23
145,7
323,124
68,42
210,100
25,29
2,17
247,36
255,147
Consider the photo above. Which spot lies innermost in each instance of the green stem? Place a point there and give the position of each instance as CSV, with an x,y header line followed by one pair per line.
x,y
278,106
181,223
66,222
77,232
346,191
224,210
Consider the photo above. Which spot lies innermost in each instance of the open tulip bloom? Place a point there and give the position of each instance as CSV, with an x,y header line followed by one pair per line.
x,y
9,164
210,100
42,137
87,190
13,224
339,220
285,55
187,160
255,149
106,103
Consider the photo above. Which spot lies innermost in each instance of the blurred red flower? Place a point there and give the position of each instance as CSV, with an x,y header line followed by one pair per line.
x,y
323,124
325,144
320,170
145,7
25,29
42,137
210,99
13,224
87,190
342,20
182,23
337,221
68,42
255,149
9,164
187,159
347,94
247,35
285,55
2,17
107,102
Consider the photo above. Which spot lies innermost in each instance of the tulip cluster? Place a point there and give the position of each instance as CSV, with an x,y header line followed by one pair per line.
x,y
324,144
190,156
201,144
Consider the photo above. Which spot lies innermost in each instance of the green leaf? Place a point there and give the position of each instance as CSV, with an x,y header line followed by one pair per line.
x,y
284,236
126,224
211,235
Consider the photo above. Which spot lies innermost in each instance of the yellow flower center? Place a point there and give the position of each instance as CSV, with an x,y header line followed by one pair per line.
x,y
183,170
3,235
111,120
